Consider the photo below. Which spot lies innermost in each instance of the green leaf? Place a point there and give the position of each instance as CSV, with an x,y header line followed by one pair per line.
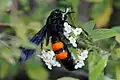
x,y
116,28
98,68
35,71
3,68
88,27
110,68
116,54
93,59
99,34
108,78
117,38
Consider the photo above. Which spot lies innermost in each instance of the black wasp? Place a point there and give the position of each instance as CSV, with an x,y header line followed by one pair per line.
x,y
53,28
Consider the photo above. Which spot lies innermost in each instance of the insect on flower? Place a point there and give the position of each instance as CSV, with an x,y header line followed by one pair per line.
x,y
54,30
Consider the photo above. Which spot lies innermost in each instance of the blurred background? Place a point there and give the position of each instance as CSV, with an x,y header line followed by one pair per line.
x,y
21,19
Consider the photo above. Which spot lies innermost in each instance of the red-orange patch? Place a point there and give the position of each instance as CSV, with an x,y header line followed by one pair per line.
x,y
61,55
57,46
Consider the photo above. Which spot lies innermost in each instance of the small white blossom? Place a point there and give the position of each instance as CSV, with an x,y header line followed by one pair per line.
x,y
66,24
67,27
69,30
83,55
79,64
73,41
66,34
77,31
49,58
74,44
81,58
49,66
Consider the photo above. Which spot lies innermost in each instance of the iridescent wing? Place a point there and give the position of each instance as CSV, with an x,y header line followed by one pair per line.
x,y
37,39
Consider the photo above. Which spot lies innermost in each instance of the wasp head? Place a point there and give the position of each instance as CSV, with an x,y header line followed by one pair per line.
x,y
58,14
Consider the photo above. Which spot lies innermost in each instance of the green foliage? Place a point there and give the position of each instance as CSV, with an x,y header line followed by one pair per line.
x,y
88,27
97,69
99,34
3,69
22,23
36,71
116,28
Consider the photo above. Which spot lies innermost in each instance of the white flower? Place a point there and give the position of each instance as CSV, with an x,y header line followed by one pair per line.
x,y
83,55
49,66
79,64
81,58
67,27
66,34
65,24
74,44
73,41
49,58
77,31
68,30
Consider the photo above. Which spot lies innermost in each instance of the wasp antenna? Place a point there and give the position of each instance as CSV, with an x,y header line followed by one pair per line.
x,y
70,12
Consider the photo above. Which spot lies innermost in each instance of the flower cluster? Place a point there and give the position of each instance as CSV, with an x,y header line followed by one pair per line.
x,y
81,58
49,58
68,30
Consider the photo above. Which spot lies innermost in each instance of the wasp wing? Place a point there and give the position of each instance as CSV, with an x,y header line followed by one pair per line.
x,y
37,39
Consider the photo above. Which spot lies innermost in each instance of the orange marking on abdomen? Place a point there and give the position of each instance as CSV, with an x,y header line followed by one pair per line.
x,y
61,55
57,46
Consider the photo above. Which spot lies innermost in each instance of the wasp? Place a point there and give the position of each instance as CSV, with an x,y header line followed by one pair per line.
x,y
53,30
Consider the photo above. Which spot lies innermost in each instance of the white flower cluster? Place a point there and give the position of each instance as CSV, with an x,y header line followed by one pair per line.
x,y
81,58
49,58
69,30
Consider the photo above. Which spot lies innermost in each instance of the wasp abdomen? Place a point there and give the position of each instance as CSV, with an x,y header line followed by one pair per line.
x,y
63,55
60,52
